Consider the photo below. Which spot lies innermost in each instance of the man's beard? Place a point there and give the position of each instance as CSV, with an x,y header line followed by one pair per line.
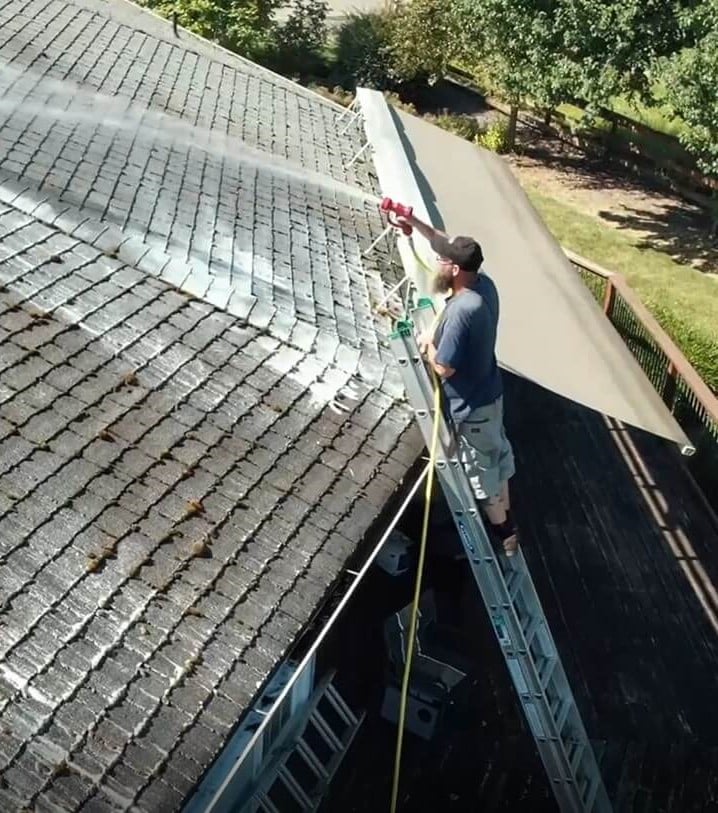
x,y
442,284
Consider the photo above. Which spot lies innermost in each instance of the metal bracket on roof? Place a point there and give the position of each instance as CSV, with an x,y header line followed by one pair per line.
x,y
354,114
378,240
359,154
352,120
395,290
349,109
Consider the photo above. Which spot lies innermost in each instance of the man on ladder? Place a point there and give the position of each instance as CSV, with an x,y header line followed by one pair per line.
x,y
462,352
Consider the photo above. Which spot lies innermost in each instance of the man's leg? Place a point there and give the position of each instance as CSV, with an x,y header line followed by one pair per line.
x,y
488,461
504,496
495,510
501,523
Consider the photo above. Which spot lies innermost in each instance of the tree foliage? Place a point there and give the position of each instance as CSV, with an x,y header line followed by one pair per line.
x,y
364,54
250,27
299,40
553,50
517,41
691,78
610,48
424,39
415,40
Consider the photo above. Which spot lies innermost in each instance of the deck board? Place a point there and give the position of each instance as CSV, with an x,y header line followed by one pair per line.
x,y
624,555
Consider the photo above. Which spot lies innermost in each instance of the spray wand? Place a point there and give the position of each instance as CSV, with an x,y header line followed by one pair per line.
x,y
391,207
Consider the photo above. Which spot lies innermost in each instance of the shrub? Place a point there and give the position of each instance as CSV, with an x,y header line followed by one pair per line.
x,y
424,37
363,51
459,124
301,38
246,28
411,41
495,138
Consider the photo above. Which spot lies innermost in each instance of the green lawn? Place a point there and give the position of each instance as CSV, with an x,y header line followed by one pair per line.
x,y
652,144
658,116
684,300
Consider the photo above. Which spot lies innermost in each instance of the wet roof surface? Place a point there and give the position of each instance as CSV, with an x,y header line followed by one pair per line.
x,y
198,423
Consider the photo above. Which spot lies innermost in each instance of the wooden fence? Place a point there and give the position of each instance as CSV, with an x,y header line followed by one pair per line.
x,y
684,392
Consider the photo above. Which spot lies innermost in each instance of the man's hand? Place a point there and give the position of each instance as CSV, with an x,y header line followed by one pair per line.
x,y
424,229
424,340
409,220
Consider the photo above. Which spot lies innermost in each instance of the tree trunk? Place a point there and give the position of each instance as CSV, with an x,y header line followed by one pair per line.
x,y
610,140
513,120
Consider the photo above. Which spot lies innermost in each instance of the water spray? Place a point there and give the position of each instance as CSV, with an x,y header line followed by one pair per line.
x,y
25,96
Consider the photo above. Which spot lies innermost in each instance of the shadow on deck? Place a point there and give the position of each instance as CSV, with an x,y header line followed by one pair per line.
x,y
624,554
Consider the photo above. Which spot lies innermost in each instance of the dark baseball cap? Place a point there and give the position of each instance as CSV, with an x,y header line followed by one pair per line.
x,y
462,251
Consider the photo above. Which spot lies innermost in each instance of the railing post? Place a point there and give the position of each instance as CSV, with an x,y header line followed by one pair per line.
x,y
669,388
609,297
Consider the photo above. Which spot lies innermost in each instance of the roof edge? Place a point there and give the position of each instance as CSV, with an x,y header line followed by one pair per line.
x,y
278,77
397,180
402,176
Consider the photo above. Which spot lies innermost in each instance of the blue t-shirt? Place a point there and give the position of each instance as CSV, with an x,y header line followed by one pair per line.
x,y
465,340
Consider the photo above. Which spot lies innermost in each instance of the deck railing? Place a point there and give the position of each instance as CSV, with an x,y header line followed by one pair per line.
x,y
684,392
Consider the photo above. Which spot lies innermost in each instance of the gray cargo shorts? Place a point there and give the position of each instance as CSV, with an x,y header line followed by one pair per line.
x,y
485,451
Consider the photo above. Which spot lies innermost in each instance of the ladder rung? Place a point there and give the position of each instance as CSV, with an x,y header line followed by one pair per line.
x,y
336,701
560,711
591,791
286,776
266,804
531,628
325,731
575,750
514,583
545,671
306,753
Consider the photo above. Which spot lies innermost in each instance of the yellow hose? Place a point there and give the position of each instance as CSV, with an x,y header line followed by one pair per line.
x,y
417,595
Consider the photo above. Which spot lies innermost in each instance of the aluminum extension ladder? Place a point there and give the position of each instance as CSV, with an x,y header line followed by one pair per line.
x,y
512,603
301,773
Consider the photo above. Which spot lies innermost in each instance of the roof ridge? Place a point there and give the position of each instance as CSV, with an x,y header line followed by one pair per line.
x,y
255,66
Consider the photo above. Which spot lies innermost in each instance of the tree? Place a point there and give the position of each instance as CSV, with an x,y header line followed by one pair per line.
x,y
250,27
415,40
424,39
609,48
363,51
300,39
692,86
520,45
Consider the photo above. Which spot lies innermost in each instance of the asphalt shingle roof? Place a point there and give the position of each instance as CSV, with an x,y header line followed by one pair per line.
x,y
198,420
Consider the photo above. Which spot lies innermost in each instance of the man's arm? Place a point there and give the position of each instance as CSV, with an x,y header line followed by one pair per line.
x,y
448,354
424,229
442,370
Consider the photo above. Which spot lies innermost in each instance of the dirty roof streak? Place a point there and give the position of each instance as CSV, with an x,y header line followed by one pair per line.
x,y
198,422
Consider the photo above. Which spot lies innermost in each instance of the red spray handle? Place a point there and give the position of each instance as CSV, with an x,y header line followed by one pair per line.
x,y
390,207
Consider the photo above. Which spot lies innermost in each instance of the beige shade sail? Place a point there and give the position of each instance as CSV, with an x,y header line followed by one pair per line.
x,y
551,329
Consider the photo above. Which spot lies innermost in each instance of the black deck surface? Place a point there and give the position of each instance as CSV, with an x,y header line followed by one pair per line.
x,y
624,554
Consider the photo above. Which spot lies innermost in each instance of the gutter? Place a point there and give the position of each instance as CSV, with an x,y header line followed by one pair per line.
x,y
221,798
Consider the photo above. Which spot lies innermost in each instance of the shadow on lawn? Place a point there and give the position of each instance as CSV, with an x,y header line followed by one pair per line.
x,y
676,227
676,230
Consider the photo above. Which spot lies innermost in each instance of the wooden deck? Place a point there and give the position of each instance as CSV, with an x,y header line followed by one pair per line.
x,y
624,554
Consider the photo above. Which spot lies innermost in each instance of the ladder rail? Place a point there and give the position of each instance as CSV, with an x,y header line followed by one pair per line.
x,y
316,770
514,608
